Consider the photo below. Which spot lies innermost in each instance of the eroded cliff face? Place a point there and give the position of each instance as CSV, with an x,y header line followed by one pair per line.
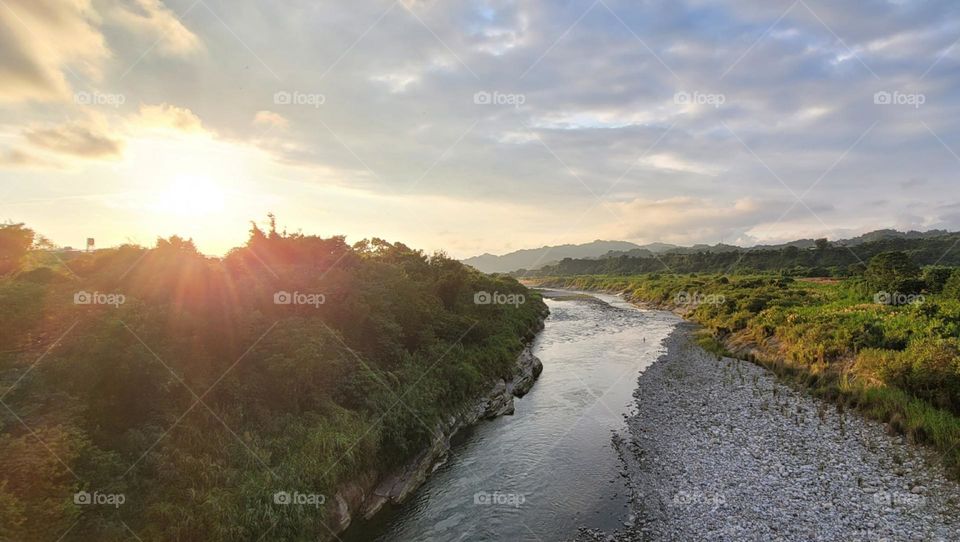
x,y
366,495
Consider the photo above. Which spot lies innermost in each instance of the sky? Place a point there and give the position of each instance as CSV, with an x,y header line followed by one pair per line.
x,y
479,126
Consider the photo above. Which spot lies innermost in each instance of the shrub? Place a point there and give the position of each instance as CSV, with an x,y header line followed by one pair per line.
x,y
935,278
890,270
15,241
951,288
930,369
856,269
876,366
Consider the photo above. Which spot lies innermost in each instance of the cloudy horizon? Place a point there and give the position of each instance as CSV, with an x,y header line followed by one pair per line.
x,y
479,127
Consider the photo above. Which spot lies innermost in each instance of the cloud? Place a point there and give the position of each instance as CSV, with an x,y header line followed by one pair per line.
x,y
96,136
598,117
81,139
396,82
41,41
46,46
269,118
152,19
21,158
167,117
669,162
685,219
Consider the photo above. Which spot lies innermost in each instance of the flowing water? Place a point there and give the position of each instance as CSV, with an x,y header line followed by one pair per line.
x,y
550,468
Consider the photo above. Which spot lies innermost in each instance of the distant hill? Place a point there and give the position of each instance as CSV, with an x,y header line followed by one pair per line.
x,y
799,243
663,248
883,235
533,258
547,256
834,259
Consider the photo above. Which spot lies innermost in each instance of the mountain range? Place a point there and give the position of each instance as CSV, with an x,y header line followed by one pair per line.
x,y
535,258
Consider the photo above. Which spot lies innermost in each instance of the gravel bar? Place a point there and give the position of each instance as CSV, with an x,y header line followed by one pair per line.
x,y
719,450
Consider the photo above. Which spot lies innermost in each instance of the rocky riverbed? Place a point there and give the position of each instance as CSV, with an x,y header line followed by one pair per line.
x,y
719,450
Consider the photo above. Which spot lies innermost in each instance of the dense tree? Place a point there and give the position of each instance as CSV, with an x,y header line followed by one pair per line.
x,y
856,269
935,277
299,347
838,260
893,272
951,288
15,241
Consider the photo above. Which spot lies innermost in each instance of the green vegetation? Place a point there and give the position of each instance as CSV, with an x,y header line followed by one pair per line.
x,y
822,259
178,381
15,242
893,272
898,362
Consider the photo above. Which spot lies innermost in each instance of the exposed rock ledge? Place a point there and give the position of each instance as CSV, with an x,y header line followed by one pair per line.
x,y
366,495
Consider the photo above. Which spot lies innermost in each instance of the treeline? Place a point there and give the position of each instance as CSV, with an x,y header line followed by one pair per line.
x,y
198,387
823,260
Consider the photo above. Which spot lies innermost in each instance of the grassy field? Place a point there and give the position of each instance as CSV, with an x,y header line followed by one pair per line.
x,y
898,363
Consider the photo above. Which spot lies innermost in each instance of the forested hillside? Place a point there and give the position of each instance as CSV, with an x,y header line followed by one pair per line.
x,y
193,389
823,259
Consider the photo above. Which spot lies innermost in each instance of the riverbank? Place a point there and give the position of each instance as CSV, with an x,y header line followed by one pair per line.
x,y
894,364
720,450
367,495
551,467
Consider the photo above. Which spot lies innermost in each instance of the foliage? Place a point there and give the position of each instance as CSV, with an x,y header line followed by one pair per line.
x,y
15,241
823,259
892,272
202,394
936,277
951,288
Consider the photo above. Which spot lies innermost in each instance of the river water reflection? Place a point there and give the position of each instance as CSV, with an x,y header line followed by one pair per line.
x,y
550,468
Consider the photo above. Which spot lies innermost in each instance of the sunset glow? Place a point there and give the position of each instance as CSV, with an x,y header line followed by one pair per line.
x,y
321,117
479,270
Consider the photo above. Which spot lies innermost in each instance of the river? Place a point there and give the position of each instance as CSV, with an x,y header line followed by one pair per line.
x,y
550,468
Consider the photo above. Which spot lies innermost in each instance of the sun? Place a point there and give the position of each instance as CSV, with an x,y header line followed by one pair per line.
x,y
192,195
195,187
